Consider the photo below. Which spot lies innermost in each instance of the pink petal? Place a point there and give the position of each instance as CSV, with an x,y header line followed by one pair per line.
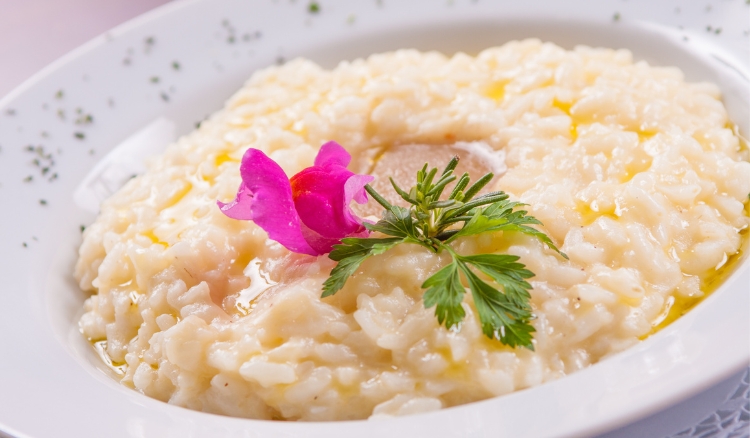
x,y
267,196
240,207
354,189
331,154
319,198
321,244
310,212
322,193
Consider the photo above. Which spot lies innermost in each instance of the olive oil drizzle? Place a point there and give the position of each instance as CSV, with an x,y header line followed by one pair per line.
x,y
678,306
119,368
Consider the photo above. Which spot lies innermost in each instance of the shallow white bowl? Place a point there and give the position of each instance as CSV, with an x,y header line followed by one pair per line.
x,y
52,384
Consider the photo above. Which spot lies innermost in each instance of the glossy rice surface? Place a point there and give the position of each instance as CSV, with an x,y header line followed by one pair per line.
x,y
636,174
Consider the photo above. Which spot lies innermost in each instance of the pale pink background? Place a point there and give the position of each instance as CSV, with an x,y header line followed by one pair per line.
x,y
33,33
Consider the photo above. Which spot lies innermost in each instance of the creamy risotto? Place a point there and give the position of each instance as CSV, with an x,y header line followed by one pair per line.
x,y
635,173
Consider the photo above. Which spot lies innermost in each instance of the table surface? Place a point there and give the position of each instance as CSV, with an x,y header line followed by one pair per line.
x,y
34,33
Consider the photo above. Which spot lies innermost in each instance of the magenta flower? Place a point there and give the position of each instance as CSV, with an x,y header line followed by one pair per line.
x,y
308,213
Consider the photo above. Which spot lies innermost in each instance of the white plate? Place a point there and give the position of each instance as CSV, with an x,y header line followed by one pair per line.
x,y
51,384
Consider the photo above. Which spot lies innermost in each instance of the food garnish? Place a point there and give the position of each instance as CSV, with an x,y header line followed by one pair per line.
x,y
434,224
309,214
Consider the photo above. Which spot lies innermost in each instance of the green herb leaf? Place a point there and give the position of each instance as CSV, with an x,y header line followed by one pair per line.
x,y
500,216
405,196
500,318
504,312
350,254
507,272
396,222
355,247
460,185
477,186
445,291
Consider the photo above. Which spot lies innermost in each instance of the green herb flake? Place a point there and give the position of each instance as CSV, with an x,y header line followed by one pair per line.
x,y
313,8
84,119
503,303
79,135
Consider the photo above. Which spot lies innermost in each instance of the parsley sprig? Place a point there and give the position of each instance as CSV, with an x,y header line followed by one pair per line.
x,y
505,312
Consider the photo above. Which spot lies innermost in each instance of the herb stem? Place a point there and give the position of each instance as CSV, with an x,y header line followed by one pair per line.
x,y
501,295
376,196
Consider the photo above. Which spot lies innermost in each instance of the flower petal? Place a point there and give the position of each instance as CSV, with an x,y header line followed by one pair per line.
x,y
319,198
240,207
308,213
321,244
354,189
331,154
265,192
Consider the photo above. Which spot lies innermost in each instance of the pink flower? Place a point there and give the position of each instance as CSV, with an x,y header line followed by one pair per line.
x,y
308,213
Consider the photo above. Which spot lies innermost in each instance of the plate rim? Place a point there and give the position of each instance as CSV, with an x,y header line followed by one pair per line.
x,y
169,8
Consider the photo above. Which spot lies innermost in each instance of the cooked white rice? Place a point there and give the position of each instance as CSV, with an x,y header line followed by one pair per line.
x,y
636,174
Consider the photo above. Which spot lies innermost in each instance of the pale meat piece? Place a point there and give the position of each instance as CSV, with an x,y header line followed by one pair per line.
x,y
402,163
